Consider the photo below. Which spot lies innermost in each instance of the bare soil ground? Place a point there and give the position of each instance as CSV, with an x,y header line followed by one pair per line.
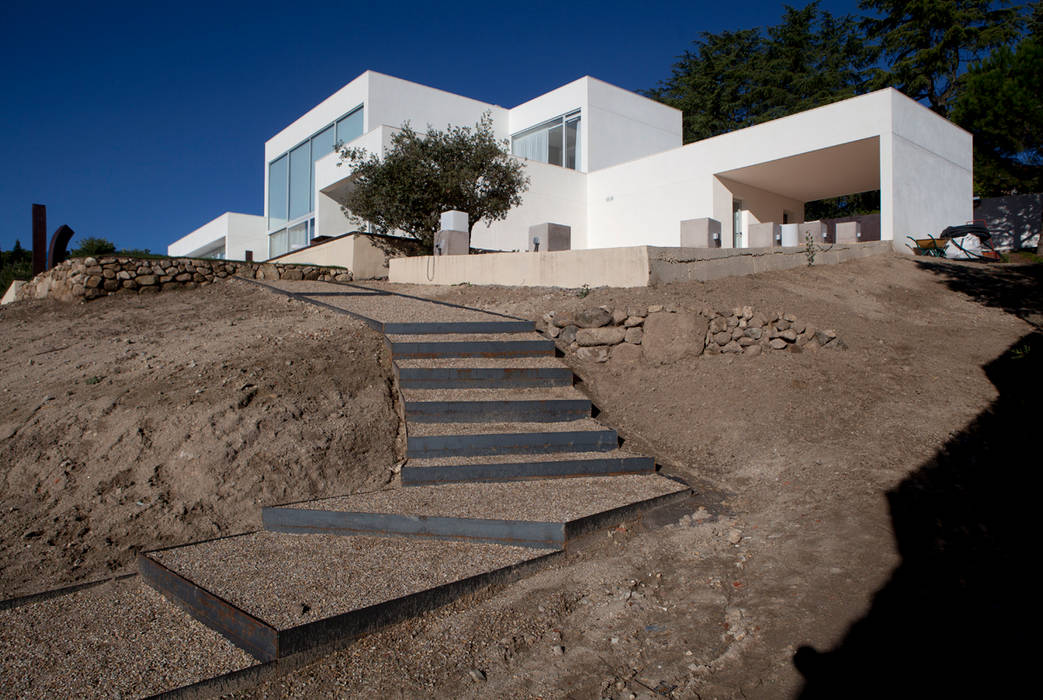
x,y
131,423
858,528
857,515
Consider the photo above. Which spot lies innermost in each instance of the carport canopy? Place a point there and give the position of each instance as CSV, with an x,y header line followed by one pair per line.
x,y
844,169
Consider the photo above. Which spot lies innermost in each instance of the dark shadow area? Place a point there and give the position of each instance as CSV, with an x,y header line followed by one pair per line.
x,y
957,617
1017,289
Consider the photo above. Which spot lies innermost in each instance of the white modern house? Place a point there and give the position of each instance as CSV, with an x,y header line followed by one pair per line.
x,y
610,165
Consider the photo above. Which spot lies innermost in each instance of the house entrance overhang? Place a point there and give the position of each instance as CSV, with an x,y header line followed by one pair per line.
x,y
834,171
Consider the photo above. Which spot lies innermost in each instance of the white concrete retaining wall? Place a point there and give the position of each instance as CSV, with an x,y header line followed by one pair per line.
x,y
638,266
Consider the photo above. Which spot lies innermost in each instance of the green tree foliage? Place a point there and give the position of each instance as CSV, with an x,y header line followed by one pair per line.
x,y
927,44
92,246
736,79
423,175
1001,103
15,264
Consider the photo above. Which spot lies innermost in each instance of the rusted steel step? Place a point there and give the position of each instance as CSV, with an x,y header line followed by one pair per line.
x,y
536,514
521,469
476,444
472,348
275,594
545,411
483,377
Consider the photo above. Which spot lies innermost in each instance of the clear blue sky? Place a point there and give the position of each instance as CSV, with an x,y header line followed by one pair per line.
x,y
140,121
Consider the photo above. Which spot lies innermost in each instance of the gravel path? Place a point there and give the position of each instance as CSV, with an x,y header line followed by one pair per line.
x,y
498,428
546,500
288,580
515,458
118,639
386,308
519,394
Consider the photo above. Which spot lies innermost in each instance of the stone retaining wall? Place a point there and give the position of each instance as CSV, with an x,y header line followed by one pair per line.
x,y
661,335
90,278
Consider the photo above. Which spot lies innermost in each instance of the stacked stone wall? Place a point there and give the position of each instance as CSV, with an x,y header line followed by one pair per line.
x,y
662,335
90,278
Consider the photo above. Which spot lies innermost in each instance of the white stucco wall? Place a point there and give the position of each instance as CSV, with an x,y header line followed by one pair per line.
x,y
393,101
556,195
237,232
622,125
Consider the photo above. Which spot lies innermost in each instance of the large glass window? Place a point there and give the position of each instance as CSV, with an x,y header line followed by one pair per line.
x,y
555,142
291,178
278,179
300,181
349,127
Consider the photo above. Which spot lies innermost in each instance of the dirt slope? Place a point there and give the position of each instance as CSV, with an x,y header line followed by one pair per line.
x,y
853,505
138,422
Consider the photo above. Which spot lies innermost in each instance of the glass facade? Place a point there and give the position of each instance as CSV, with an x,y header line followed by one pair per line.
x,y
555,142
291,184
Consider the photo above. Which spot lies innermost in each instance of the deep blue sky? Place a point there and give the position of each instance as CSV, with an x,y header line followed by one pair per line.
x,y
140,121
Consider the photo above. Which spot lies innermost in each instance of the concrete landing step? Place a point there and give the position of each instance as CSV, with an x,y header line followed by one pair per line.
x,y
468,345
444,470
459,327
116,639
275,594
536,514
512,373
428,440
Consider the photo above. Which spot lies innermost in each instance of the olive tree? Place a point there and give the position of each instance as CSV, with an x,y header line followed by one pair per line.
x,y
422,175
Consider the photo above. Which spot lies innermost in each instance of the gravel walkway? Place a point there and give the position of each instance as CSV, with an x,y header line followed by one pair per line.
x,y
520,394
118,639
288,580
546,500
383,307
418,429
516,458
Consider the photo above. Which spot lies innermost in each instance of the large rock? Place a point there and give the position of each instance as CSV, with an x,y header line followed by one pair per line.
x,y
608,335
568,334
595,317
626,354
593,354
634,336
669,337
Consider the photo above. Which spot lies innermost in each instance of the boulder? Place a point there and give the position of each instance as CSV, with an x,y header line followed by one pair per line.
x,y
626,354
670,337
593,354
595,317
619,316
731,347
778,344
633,321
607,335
568,335
634,336
639,310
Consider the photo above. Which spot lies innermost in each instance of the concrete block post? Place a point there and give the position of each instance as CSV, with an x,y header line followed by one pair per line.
x,y
817,229
453,237
766,235
548,237
849,232
701,233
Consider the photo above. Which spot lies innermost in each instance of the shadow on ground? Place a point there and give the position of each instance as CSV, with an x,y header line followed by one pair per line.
x,y
952,620
1013,288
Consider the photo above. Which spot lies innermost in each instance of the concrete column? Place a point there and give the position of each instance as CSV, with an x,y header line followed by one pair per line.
x,y
849,232
816,228
701,233
453,237
766,235
549,237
